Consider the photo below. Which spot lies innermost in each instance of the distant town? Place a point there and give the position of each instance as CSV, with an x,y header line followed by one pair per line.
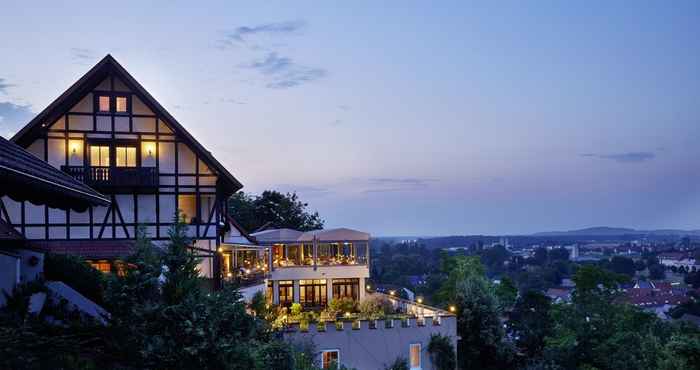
x,y
661,265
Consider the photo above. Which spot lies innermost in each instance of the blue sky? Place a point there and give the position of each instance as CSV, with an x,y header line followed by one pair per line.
x,y
410,118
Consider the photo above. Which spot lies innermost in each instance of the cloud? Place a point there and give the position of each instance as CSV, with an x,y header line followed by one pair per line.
x,y
390,184
231,101
283,72
4,85
627,157
13,117
83,56
336,122
306,190
272,64
244,33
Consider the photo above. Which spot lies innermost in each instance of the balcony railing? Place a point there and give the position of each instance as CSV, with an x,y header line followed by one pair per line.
x,y
106,178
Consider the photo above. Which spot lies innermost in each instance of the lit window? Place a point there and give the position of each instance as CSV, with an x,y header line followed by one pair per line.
x,y
102,266
126,156
99,156
103,103
121,104
415,356
330,359
285,292
186,204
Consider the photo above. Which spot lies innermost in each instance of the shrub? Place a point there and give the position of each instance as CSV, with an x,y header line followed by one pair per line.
x,y
442,353
296,310
375,307
342,305
258,304
398,364
75,273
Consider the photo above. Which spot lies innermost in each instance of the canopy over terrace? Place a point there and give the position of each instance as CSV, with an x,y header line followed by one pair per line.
x,y
331,247
26,177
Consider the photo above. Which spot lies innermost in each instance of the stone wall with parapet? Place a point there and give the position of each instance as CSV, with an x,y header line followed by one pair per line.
x,y
373,344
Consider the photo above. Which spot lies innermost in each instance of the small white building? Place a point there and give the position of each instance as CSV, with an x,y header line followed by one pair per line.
x,y
678,260
315,267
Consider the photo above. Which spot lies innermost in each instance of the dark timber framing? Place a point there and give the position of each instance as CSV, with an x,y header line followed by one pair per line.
x,y
207,180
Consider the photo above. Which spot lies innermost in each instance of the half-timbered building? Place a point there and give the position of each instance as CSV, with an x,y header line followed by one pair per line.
x,y
108,132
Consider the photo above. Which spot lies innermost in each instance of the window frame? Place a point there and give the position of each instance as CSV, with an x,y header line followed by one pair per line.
x,y
98,144
288,286
127,145
420,357
344,285
112,97
337,357
312,286
189,219
128,104
99,95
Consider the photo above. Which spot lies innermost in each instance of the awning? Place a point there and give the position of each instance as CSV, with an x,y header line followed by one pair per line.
x,y
334,235
26,177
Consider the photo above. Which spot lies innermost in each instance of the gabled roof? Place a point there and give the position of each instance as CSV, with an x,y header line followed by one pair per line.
x,y
26,177
87,83
245,237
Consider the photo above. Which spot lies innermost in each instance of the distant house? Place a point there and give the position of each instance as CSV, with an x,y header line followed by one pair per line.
x,y
559,295
655,296
678,260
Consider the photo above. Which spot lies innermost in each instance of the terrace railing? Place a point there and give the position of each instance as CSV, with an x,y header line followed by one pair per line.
x,y
112,178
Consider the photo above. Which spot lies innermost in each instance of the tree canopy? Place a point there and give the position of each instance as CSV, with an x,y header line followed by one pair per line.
x,y
274,209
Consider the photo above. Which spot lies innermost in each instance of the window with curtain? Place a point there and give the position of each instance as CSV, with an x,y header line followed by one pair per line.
x,y
126,156
121,104
103,103
99,156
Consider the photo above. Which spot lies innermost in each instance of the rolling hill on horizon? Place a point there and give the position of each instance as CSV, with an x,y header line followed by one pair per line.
x,y
612,231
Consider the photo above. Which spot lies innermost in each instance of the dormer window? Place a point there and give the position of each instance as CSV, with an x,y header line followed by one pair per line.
x,y
121,105
103,103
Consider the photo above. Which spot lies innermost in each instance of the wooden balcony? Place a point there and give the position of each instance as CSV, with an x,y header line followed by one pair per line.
x,y
116,179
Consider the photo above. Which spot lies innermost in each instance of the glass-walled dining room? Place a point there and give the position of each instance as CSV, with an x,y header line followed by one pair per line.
x,y
244,263
326,254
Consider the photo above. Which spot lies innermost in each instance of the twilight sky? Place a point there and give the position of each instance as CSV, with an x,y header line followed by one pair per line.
x,y
409,118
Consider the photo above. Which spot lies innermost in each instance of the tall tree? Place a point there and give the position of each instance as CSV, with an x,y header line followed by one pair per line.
x,y
530,322
622,265
181,274
458,269
275,209
478,325
507,293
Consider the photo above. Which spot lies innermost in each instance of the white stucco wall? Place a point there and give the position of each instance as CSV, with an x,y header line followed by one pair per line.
x,y
370,349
